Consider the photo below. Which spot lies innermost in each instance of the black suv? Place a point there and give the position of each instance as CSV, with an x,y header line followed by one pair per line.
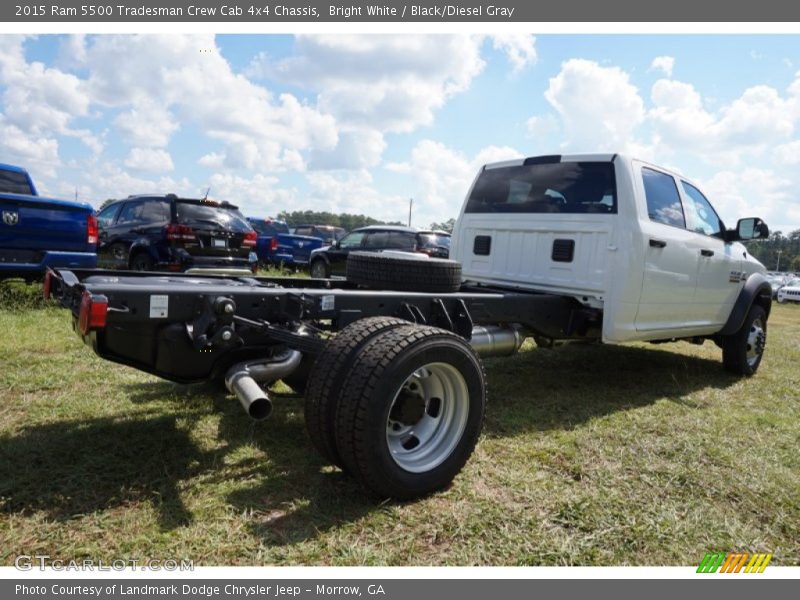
x,y
148,233
332,260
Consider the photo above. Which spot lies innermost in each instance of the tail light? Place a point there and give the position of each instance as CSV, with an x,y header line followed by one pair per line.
x,y
91,230
179,233
48,284
273,244
93,312
250,239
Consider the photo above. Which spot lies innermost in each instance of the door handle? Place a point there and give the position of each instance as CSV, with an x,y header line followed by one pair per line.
x,y
706,252
657,243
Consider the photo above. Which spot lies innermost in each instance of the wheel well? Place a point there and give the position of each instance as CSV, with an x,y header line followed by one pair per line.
x,y
764,300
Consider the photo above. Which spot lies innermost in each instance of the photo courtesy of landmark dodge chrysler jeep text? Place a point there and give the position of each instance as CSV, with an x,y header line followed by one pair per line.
x,y
595,247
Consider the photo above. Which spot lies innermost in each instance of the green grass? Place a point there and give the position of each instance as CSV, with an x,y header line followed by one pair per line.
x,y
590,455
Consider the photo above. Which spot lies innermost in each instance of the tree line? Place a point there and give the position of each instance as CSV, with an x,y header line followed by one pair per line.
x,y
344,220
779,252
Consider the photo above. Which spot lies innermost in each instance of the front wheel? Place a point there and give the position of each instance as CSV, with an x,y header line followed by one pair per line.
x,y
319,270
742,351
411,411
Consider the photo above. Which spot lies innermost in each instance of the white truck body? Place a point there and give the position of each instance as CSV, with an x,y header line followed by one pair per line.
x,y
653,278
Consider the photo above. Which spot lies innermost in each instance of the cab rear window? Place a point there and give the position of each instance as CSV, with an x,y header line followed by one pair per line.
x,y
568,187
14,182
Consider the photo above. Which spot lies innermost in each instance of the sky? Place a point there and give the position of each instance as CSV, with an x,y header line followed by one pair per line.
x,y
362,123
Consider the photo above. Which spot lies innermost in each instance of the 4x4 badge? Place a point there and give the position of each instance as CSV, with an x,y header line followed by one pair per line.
x,y
10,217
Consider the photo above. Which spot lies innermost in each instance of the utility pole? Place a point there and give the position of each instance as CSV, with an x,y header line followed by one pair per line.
x,y
410,205
778,266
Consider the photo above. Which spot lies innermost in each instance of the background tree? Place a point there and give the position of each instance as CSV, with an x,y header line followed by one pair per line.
x,y
445,226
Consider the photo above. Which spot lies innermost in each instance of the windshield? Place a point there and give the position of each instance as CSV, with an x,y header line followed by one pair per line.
x,y
212,214
14,182
568,187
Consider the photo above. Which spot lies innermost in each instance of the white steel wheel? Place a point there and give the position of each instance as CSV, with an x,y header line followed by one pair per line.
x,y
428,417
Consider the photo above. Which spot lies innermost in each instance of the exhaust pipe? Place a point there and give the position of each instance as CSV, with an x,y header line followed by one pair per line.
x,y
243,379
496,340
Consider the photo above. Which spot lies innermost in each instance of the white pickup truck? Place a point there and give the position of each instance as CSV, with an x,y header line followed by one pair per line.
x,y
577,248
638,242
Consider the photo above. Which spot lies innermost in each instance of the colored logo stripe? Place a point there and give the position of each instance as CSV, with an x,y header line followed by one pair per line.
x,y
733,562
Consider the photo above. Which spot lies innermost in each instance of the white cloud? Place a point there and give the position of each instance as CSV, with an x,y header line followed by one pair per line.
x,y
541,126
356,150
441,177
147,124
38,153
755,192
788,154
664,64
751,124
353,192
257,196
387,83
152,160
159,75
599,107
520,49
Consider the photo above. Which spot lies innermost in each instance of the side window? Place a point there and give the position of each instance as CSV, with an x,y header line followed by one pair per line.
x,y
700,215
155,211
402,240
663,199
302,231
352,241
107,215
377,239
131,213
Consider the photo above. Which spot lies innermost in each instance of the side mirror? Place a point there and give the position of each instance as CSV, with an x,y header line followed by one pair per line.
x,y
751,229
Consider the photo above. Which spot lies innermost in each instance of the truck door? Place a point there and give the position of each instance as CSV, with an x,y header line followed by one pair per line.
x,y
671,257
718,271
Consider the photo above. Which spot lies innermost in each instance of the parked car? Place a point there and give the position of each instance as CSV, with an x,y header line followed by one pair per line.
x,y
328,233
434,243
277,246
790,292
332,260
38,232
165,232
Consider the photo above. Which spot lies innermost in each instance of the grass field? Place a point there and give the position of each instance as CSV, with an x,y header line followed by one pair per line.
x,y
590,455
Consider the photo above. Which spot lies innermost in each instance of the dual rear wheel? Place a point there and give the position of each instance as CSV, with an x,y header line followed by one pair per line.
x,y
398,406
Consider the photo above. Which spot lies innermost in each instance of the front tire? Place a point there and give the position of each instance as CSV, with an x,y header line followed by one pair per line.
x,y
742,351
319,270
411,411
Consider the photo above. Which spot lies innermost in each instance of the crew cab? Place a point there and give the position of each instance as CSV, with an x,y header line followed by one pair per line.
x,y
587,248
150,232
277,246
38,232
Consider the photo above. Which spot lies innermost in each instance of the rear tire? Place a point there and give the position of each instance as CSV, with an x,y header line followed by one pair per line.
x,y
324,384
319,269
742,351
142,262
377,271
411,411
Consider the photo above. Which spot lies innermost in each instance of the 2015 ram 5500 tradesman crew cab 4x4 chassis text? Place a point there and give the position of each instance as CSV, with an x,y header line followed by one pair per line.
x,y
590,247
